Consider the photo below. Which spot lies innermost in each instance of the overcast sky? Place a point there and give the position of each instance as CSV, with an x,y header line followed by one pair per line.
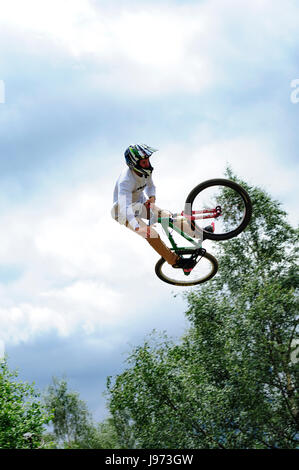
x,y
208,83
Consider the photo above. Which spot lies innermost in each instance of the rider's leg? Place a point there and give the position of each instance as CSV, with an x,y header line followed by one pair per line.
x,y
163,250
151,236
180,223
154,240
183,225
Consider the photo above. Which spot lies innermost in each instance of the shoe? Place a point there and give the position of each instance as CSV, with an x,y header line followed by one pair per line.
x,y
179,263
210,228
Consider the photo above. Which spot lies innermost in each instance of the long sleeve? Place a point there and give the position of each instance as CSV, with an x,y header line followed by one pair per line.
x,y
129,192
150,189
125,204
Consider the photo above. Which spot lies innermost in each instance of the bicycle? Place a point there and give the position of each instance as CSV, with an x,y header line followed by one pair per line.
x,y
222,200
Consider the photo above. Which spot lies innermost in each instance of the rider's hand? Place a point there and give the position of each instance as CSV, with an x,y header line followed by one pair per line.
x,y
150,202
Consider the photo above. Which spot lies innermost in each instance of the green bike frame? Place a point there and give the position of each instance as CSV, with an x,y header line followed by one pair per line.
x,y
167,224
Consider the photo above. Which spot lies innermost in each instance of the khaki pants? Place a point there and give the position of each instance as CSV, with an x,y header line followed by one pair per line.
x,y
152,236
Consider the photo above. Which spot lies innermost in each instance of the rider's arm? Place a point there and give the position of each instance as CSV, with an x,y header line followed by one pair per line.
x,y
150,188
150,191
125,204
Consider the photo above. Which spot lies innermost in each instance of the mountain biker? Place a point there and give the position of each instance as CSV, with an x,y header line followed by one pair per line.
x,y
134,199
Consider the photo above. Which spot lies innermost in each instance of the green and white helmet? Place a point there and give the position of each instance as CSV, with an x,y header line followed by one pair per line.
x,y
137,152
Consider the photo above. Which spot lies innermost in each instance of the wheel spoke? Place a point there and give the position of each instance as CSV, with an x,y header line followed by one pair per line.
x,y
231,204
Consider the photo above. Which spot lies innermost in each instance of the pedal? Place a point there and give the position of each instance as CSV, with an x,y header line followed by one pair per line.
x,y
193,260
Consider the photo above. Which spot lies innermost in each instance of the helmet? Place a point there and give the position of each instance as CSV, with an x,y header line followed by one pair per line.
x,y
134,153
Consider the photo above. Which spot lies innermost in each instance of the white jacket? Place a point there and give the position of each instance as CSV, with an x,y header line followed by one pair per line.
x,y
130,191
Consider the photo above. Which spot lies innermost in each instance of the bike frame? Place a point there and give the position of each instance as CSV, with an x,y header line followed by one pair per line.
x,y
167,224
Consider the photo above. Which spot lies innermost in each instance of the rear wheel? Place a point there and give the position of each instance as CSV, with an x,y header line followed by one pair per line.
x,y
205,269
221,201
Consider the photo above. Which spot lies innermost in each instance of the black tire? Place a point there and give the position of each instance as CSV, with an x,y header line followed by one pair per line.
x,y
221,183
212,263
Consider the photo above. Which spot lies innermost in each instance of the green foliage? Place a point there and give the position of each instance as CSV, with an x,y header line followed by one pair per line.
x,y
73,427
103,436
267,248
231,380
155,393
71,418
22,416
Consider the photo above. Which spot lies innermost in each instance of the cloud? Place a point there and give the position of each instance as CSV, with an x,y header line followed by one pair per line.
x,y
150,49
101,72
127,53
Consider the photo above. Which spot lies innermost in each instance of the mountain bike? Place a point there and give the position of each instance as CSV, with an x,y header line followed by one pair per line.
x,y
228,209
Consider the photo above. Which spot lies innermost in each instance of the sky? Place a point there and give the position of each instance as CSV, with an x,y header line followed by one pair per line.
x,y
208,83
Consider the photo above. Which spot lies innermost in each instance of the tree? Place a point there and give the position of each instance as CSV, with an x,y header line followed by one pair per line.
x,y
103,436
71,419
231,380
22,416
73,426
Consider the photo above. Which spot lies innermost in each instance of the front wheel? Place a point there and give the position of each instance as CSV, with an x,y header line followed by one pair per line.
x,y
221,202
205,269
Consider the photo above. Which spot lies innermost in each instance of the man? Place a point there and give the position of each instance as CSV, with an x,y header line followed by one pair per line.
x,y
134,199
